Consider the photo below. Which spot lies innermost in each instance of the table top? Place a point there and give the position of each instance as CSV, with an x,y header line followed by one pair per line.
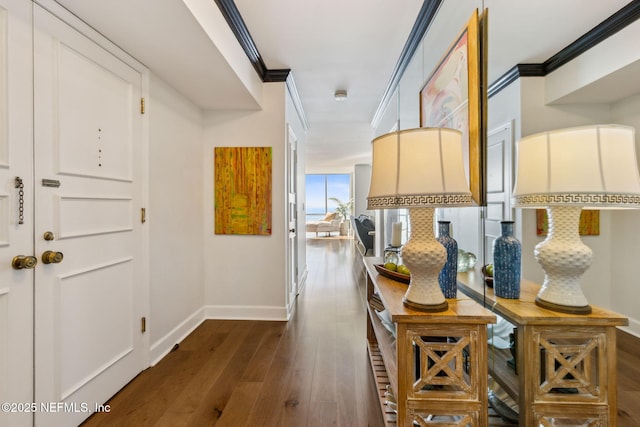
x,y
524,309
461,310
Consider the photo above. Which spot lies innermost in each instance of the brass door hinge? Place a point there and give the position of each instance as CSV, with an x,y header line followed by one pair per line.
x,y
141,105
143,325
143,215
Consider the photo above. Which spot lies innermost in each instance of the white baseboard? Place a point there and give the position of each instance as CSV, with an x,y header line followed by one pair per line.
x,y
303,280
163,346
241,312
633,328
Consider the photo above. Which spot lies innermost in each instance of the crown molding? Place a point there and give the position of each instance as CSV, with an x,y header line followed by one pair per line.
x,y
276,75
232,15
519,70
616,22
610,26
423,21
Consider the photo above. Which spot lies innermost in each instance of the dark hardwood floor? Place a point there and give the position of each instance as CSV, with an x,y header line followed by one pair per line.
x,y
310,371
628,349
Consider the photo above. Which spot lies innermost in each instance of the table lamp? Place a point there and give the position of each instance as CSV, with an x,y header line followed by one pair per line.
x,y
564,171
420,169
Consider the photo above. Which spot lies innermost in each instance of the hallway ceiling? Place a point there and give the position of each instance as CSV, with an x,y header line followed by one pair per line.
x,y
329,45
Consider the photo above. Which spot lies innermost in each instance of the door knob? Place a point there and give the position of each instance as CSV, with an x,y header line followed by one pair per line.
x,y
21,262
51,257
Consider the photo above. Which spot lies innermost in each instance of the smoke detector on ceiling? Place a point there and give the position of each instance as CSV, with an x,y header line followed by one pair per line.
x,y
340,95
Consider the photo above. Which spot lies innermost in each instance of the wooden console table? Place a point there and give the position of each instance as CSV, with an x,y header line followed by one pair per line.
x,y
566,363
436,363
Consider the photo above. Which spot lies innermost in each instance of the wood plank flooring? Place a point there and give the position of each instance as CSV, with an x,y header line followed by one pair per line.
x,y
310,371
628,352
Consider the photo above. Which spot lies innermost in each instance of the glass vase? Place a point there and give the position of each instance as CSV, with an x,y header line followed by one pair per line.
x,y
506,263
448,275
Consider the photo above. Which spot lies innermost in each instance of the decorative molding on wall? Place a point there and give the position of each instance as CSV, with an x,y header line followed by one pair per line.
x,y
239,28
519,70
610,26
616,22
276,75
232,15
297,102
423,21
82,216
4,220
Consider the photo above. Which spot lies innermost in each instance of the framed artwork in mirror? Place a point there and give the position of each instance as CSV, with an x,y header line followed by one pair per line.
x,y
454,96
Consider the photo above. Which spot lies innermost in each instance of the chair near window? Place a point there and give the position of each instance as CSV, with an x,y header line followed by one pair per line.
x,y
328,224
364,227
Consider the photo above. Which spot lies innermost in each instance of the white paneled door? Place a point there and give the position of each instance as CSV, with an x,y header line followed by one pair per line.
x,y
499,185
70,326
88,132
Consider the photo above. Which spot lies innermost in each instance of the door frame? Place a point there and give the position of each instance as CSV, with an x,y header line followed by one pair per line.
x,y
292,287
16,226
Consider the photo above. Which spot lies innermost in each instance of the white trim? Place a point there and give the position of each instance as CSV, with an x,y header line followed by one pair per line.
x,y
145,307
163,346
297,103
633,328
4,219
4,100
303,280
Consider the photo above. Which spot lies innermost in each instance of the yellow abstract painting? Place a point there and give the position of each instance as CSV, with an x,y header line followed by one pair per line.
x,y
589,222
242,186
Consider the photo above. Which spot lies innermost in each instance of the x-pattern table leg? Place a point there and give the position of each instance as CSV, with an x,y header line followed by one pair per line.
x,y
573,361
442,355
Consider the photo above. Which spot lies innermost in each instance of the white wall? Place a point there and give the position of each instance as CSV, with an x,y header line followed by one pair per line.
x,y
244,276
625,232
194,273
174,216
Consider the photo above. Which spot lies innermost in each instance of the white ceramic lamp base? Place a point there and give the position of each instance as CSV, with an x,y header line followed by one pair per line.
x,y
564,258
424,256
